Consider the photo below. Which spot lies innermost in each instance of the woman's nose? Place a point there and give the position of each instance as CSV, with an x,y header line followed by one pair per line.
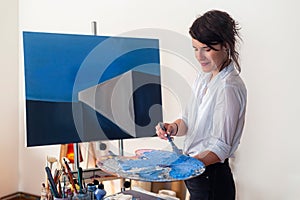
x,y
199,55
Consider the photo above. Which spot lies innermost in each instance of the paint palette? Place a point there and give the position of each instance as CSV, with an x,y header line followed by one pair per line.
x,y
152,165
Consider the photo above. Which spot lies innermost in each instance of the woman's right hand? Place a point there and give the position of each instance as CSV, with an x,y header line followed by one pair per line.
x,y
162,129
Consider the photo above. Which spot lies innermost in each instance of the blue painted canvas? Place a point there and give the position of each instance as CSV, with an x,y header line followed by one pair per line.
x,y
82,88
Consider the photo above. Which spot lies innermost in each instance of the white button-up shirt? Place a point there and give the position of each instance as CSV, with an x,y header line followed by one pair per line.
x,y
215,114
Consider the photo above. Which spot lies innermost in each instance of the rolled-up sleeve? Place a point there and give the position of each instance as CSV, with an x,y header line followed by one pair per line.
x,y
220,148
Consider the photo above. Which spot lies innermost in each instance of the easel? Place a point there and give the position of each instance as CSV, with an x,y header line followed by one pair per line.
x,y
89,157
89,150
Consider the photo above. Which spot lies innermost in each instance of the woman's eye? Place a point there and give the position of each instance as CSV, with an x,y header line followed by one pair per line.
x,y
207,49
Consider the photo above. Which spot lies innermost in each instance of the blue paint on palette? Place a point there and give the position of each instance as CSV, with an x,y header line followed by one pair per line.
x,y
154,165
182,169
150,159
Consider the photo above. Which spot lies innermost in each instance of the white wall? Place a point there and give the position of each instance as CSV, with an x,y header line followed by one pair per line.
x,y
268,158
266,166
9,83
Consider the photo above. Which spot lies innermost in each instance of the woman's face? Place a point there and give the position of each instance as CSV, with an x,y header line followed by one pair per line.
x,y
209,59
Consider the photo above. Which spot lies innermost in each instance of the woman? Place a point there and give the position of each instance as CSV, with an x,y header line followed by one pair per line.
x,y
214,119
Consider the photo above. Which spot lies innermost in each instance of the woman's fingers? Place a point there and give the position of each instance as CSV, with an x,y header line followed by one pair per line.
x,y
160,132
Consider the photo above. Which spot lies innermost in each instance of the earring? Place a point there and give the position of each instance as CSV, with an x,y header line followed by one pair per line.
x,y
228,51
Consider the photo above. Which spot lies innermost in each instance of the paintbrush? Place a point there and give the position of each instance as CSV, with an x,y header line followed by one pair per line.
x,y
174,147
79,177
51,181
64,187
70,175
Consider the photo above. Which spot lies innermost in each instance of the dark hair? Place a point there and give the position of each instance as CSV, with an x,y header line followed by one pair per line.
x,y
217,27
